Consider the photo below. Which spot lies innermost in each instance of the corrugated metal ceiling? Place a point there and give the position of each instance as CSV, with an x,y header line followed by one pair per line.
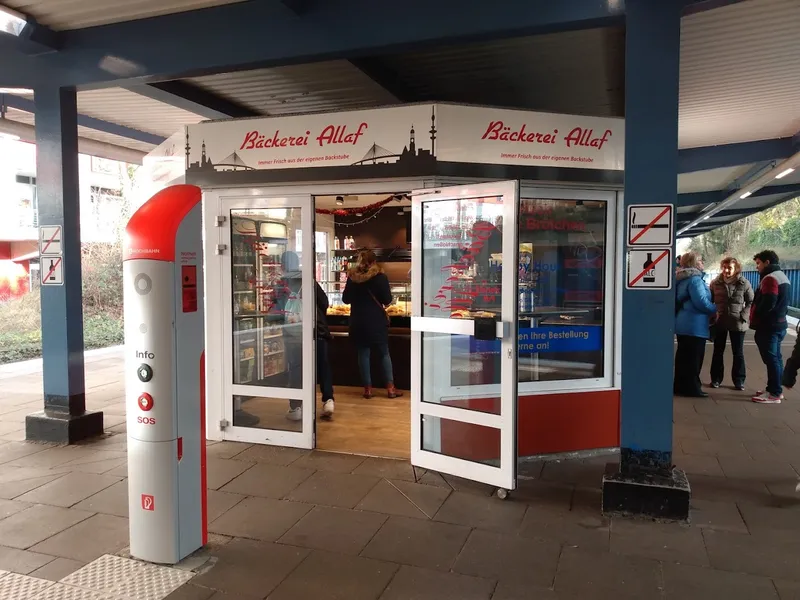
x,y
713,179
333,85
75,14
578,72
739,73
120,106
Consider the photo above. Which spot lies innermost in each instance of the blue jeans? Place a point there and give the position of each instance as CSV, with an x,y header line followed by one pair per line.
x,y
363,363
769,345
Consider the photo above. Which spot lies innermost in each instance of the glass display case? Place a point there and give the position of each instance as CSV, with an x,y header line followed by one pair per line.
x,y
339,312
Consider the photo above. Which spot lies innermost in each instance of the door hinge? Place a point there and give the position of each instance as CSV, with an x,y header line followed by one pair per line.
x,y
223,424
221,248
221,220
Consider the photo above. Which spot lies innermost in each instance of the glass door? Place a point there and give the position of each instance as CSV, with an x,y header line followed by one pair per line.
x,y
269,319
464,321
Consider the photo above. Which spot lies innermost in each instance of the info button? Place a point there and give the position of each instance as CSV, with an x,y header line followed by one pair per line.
x,y
144,372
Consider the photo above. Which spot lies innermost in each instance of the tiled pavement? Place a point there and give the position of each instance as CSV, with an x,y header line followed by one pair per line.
x,y
288,524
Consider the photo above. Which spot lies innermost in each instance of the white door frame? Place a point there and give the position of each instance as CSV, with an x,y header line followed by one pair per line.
x,y
219,331
504,475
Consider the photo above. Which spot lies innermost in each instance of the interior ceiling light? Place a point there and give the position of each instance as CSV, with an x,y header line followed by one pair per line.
x,y
11,21
339,200
17,91
745,195
783,174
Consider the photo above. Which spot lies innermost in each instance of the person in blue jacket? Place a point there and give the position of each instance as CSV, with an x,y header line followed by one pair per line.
x,y
694,308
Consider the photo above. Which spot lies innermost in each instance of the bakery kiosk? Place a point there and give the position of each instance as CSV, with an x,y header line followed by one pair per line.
x,y
498,230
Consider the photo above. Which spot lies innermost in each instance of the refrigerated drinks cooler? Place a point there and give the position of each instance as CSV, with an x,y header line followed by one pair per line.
x,y
256,272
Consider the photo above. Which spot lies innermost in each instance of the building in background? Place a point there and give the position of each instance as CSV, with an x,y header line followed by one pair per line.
x,y
102,186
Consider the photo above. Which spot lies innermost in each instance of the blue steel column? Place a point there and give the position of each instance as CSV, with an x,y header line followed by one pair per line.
x,y
652,57
64,418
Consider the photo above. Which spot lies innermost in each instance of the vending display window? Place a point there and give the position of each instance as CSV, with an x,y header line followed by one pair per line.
x,y
562,286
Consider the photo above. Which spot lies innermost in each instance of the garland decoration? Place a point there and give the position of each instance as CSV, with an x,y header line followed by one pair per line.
x,y
348,212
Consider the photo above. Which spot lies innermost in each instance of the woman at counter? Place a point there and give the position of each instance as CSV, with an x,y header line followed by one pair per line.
x,y
368,294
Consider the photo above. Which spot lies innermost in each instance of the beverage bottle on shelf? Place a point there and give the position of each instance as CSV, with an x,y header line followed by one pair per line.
x,y
336,243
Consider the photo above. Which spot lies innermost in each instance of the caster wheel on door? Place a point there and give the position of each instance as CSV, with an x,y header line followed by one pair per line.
x,y
501,493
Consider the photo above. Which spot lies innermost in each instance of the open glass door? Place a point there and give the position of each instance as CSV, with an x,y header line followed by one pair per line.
x,y
464,323
269,320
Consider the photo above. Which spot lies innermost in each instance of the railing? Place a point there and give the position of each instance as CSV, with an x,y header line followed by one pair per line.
x,y
794,278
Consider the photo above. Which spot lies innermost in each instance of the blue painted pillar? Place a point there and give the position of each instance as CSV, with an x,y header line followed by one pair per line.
x,y
64,418
652,57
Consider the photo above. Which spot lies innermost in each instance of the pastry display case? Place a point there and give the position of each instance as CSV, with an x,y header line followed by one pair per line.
x,y
399,310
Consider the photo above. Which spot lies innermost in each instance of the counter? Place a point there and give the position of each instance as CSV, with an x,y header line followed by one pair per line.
x,y
344,364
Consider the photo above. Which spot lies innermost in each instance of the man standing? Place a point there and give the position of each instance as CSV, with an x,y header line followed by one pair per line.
x,y
768,320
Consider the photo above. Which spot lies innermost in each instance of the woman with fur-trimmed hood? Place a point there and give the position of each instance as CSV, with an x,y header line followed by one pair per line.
x,y
368,294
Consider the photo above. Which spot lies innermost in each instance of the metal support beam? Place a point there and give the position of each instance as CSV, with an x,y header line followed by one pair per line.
x,y
699,198
646,482
267,34
29,106
192,98
64,418
733,155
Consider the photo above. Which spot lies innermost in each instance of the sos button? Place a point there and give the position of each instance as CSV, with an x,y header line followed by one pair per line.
x,y
145,402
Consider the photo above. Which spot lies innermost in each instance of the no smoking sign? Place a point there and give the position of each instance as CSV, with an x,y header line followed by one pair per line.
x,y
650,224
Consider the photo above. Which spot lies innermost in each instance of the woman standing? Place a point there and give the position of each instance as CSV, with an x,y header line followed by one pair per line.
x,y
367,292
733,296
693,310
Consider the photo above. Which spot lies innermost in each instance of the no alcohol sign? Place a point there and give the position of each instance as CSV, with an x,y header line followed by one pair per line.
x,y
649,269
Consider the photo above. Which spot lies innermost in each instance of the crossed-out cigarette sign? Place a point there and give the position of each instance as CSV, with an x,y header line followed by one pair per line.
x,y
650,225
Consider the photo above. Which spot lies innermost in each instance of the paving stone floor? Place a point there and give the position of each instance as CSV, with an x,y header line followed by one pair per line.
x,y
291,525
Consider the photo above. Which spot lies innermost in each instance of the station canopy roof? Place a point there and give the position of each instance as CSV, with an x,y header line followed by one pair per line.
x,y
739,113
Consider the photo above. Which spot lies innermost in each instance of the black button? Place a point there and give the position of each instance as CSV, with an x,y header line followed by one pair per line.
x,y
144,372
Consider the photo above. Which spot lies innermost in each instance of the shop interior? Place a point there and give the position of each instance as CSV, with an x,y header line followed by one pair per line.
x,y
561,268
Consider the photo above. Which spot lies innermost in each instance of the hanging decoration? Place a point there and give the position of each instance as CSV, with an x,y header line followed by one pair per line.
x,y
347,212
364,220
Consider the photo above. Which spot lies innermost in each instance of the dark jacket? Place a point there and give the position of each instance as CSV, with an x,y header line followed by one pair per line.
x,y
733,302
323,331
771,303
367,294
291,286
793,364
694,304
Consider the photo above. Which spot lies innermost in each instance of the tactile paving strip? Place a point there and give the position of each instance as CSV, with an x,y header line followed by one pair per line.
x,y
104,573
152,583
125,579
21,587
66,592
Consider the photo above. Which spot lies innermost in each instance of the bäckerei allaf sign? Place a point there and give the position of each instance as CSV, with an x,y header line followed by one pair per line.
x,y
515,137
399,141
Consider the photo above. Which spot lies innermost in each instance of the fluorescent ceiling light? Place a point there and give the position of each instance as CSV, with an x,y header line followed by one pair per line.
x,y
745,195
11,21
784,173
17,91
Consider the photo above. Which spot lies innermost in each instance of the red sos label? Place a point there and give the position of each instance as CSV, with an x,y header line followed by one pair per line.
x,y
146,420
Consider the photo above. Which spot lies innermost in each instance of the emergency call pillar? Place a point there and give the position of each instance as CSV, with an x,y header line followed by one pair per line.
x,y
164,382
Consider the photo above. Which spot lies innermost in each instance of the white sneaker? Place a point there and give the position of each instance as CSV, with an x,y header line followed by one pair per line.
x,y
295,414
766,398
327,409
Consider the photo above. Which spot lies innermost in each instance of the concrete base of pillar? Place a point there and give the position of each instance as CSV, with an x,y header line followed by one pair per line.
x,y
62,428
647,495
